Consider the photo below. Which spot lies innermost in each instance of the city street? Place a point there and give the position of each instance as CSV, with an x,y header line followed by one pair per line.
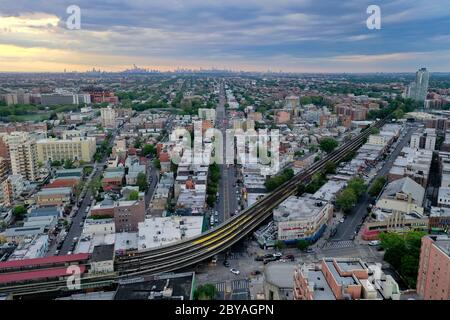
x,y
227,202
76,226
346,230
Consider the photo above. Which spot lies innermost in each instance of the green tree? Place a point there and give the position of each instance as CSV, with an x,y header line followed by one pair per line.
x,y
19,212
328,144
301,188
149,149
403,253
87,170
68,164
374,130
357,185
141,181
398,114
274,182
346,200
205,292
95,185
78,189
211,200
157,164
279,245
377,186
56,163
312,148
134,195
330,167
302,244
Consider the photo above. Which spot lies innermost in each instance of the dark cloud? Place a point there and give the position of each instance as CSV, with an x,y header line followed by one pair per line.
x,y
246,31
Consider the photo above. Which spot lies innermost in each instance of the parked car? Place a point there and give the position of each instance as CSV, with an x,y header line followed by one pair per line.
x,y
277,254
374,243
255,273
289,257
267,260
341,220
310,250
235,271
259,258
226,263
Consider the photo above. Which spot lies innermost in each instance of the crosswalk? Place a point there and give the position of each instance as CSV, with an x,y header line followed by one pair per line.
x,y
340,244
236,285
241,284
220,286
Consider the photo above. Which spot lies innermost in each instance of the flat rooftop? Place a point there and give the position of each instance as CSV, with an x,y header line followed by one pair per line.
x,y
322,290
152,288
298,208
443,243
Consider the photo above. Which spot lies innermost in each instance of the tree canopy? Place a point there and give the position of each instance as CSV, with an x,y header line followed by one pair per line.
x,y
403,253
328,144
141,181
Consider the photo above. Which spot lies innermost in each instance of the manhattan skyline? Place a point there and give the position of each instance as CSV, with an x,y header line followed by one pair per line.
x,y
289,36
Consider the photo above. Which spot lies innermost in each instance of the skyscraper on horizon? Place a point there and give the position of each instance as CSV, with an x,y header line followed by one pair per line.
x,y
418,89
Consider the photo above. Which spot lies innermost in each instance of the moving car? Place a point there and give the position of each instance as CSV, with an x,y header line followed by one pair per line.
x,y
235,271
341,220
226,263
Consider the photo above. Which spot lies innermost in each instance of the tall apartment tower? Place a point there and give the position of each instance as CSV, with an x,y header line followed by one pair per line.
x,y
293,103
108,116
23,155
433,279
418,89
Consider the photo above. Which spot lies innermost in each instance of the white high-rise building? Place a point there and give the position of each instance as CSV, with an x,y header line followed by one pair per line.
x,y
108,116
418,89
23,155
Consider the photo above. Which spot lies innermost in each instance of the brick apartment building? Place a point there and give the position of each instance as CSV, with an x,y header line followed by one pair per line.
x,y
433,279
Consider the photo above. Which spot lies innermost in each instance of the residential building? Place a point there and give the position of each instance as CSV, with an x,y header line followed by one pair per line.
x,y
343,279
278,283
102,259
302,218
399,208
108,117
207,114
73,149
443,199
418,89
54,197
126,213
439,220
433,279
158,231
23,155
424,140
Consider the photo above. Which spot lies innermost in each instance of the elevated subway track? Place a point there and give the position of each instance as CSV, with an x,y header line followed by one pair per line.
x,y
193,250
196,249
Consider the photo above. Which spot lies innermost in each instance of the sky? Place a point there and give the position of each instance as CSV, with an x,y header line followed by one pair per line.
x,y
250,35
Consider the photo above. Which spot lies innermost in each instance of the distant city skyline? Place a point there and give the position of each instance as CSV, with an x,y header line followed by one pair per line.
x,y
257,35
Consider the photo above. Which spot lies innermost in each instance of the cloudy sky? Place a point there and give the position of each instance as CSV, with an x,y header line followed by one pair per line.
x,y
254,35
